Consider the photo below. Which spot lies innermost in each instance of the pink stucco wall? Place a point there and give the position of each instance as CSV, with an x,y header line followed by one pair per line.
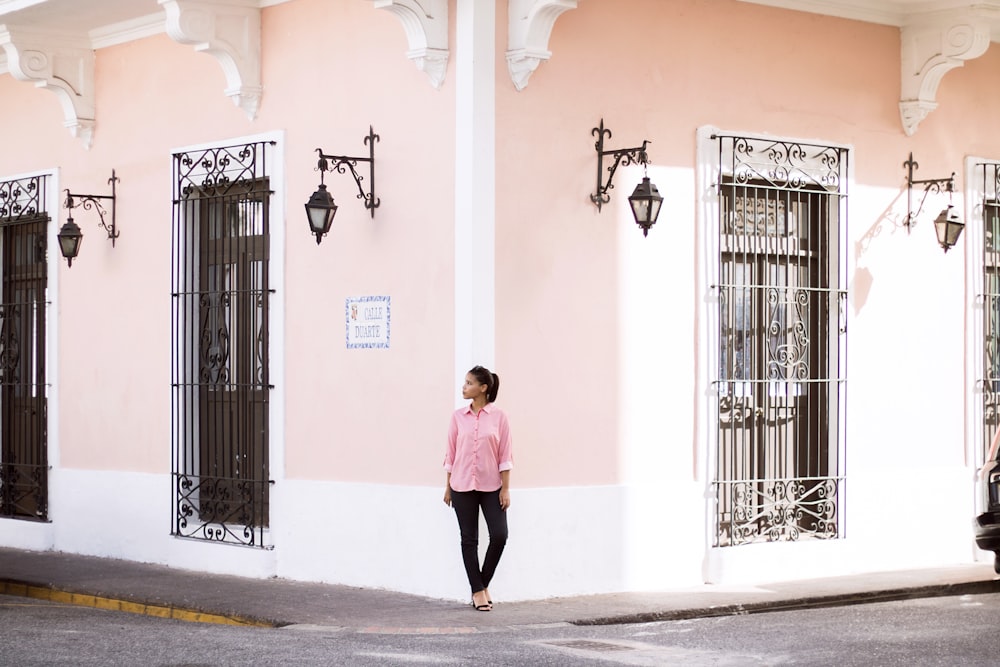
x,y
364,415
332,69
734,65
329,71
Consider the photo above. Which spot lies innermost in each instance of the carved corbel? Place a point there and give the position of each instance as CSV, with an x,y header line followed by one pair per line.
x,y
426,26
63,64
933,45
230,33
530,26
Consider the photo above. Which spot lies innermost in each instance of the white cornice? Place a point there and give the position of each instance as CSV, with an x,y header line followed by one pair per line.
x,y
887,12
10,6
60,59
529,28
426,25
127,31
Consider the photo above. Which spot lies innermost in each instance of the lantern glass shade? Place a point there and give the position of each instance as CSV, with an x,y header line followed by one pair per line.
x,y
948,227
70,237
645,202
320,209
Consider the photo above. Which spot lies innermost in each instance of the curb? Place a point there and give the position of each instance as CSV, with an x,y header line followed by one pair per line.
x,y
794,604
40,592
25,590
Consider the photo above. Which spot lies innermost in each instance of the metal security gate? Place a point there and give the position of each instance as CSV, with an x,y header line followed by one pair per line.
x,y
23,418
221,381
781,294
988,187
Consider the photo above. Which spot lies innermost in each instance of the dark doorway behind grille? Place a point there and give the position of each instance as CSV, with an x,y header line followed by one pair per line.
x,y
220,321
23,310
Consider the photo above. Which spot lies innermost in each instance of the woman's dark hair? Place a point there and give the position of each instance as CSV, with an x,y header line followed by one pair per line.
x,y
490,379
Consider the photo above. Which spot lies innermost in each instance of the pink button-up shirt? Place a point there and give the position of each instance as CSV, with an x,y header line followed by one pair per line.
x,y
478,448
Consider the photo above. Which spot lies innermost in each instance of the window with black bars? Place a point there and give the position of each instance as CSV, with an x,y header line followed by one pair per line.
x,y
221,384
989,372
781,341
23,312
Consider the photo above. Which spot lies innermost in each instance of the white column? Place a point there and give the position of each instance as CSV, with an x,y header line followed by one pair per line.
x,y
475,184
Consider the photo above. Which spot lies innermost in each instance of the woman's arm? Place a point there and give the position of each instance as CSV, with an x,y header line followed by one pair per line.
x,y
449,457
504,489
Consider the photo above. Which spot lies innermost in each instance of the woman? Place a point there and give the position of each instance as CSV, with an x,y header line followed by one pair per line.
x,y
478,462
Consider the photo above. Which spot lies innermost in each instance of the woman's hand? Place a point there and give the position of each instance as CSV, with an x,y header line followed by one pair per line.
x,y
504,489
447,496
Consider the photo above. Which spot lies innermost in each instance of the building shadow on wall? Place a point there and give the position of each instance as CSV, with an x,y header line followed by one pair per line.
x,y
891,221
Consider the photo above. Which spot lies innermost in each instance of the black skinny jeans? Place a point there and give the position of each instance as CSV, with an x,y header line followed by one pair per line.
x,y
467,504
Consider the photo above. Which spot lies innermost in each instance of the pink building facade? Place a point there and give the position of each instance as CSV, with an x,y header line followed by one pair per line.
x,y
787,377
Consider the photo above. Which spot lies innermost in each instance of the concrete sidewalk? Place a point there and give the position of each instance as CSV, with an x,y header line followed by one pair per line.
x,y
196,596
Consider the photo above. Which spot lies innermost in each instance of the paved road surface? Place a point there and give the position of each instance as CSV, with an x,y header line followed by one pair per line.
x,y
945,631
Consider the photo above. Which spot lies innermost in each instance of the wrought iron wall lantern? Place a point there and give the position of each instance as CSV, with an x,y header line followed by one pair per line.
x,y
70,235
948,225
321,208
645,200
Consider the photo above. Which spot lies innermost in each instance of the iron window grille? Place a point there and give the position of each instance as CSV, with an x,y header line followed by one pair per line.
x,y
220,377
781,293
23,313
988,380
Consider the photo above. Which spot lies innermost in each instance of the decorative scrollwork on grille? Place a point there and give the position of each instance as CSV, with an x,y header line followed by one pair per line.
x,y
10,352
224,171
21,198
23,310
214,349
781,224
991,315
787,333
221,301
780,510
24,491
220,509
784,164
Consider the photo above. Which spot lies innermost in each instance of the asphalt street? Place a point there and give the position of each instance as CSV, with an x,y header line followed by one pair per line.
x,y
946,631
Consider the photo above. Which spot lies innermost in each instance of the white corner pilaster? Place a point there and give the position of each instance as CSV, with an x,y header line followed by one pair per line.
x,y
529,28
426,26
230,32
475,185
933,44
61,63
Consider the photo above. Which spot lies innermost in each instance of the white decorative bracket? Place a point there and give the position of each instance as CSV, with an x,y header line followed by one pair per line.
x,y
230,32
426,26
933,45
529,28
61,63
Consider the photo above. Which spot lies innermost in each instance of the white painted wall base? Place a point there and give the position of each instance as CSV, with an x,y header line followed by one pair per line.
x,y
112,514
27,535
128,515
563,541
902,518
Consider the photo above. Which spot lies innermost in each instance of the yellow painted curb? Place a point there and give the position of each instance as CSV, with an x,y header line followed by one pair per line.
x,y
113,604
